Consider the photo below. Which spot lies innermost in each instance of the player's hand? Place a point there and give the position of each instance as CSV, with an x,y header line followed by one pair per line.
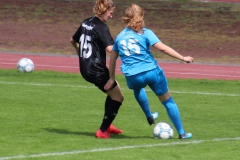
x,y
109,84
188,59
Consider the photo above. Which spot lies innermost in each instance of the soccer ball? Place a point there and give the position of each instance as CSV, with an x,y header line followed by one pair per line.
x,y
25,65
163,130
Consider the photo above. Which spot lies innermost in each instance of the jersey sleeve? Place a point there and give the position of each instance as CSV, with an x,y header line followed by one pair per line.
x,y
105,36
76,36
151,37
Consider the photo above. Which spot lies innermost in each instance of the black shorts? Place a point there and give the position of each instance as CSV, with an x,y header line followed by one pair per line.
x,y
101,81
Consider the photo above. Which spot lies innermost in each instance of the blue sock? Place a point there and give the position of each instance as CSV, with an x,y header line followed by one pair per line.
x,y
142,100
173,114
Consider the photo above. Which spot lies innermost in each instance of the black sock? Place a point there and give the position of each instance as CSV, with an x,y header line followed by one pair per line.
x,y
107,102
110,114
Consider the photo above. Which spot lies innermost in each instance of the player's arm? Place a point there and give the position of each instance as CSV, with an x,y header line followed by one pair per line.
x,y
112,64
171,52
109,49
112,67
75,45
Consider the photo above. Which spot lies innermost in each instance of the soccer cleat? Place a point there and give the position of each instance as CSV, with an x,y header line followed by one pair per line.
x,y
113,130
185,136
155,115
100,134
152,118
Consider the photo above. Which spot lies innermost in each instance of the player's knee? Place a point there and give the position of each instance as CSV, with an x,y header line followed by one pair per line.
x,y
121,98
118,97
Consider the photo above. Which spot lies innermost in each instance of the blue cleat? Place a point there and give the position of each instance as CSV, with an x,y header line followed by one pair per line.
x,y
152,118
155,115
185,136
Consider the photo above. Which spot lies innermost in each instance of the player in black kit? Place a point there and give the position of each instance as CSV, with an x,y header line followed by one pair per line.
x,y
91,41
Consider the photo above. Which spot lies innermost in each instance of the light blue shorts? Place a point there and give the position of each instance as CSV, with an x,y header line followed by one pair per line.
x,y
155,79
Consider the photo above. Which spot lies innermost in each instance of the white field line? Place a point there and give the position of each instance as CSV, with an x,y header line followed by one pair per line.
x,y
78,86
116,148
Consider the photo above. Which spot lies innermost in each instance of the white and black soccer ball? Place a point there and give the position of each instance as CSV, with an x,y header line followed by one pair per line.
x,y
162,130
25,65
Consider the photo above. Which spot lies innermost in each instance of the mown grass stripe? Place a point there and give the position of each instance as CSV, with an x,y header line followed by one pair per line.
x,y
79,86
116,148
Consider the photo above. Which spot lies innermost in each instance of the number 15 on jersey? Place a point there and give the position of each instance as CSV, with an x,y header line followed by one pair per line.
x,y
86,47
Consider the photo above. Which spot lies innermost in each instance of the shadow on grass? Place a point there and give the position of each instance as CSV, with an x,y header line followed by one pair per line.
x,y
91,134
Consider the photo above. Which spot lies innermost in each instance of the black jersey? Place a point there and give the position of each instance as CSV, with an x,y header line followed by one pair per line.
x,y
93,36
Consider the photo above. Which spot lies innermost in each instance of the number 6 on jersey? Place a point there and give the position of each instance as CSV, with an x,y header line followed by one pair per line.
x,y
132,46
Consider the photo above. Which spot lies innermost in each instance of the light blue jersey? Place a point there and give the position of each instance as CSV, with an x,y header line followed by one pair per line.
x,y
134,51
141,70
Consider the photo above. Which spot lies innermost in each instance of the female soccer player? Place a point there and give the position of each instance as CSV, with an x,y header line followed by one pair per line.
x,y
141,69
91,41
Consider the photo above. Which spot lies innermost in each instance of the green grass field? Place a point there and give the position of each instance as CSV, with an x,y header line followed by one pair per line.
x,y
54,116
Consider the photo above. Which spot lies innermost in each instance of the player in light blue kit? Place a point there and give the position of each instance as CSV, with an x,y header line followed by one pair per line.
x,y
141,69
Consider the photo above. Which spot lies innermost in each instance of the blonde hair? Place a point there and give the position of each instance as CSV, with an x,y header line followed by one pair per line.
x,y
101,6
133,17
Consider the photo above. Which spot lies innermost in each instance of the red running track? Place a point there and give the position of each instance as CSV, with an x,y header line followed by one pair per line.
x,y
172,70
